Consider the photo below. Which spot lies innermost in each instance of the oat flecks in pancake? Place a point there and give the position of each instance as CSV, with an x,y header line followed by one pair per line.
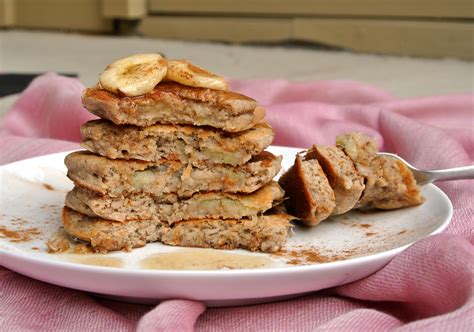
x,y
117,178
201,146
173,103
263,233
213,205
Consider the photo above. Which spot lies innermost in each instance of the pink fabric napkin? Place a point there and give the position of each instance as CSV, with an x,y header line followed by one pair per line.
x,y
427,287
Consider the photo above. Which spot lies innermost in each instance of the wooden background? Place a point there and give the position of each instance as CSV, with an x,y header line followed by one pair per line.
x,y
428,28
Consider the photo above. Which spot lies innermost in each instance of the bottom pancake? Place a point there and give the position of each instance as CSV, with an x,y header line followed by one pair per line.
x,y
267,233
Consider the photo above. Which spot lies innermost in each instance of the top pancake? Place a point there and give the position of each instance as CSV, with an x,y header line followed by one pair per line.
x,y
174,103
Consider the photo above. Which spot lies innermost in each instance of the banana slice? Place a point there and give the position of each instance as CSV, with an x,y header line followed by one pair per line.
x,y
184,72
134,75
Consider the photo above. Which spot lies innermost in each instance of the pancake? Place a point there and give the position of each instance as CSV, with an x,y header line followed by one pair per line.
x,y
212,205
343,178
186,144
174,103
121,177
310,196
266,233
389,184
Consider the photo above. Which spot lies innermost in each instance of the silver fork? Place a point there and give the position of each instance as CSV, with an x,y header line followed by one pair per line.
x,y
423,176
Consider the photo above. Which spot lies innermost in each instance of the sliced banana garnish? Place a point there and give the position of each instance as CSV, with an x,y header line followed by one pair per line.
x,y
134,75
184,72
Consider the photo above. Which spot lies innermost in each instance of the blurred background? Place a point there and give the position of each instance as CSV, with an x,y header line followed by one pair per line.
x,y
408,47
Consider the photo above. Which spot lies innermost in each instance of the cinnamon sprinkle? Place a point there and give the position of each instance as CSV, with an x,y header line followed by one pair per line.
x,y
21,235
361,225
48,186
308,256
294,262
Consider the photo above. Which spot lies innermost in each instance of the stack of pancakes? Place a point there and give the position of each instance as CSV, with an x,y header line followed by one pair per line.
x,y
182,165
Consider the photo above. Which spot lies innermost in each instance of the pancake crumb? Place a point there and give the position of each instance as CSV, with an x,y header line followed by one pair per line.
x,y
58,242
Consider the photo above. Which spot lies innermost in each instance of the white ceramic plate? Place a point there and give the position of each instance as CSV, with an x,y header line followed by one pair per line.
x,y
338,251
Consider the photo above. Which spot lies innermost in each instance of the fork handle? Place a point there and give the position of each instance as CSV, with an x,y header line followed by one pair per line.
x,y
458,173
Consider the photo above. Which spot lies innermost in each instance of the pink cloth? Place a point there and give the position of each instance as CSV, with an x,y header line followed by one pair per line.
x,y
427,287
